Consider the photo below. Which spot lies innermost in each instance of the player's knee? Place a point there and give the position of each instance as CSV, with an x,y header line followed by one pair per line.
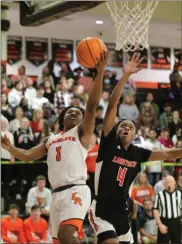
x,y
66,234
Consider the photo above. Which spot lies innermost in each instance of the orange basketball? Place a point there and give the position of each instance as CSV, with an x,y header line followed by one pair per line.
x,y
88,50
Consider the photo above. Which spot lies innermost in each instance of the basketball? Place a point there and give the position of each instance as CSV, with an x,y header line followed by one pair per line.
x,y
88,51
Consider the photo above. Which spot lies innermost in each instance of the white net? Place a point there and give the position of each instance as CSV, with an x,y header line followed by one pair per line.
x,y
131,20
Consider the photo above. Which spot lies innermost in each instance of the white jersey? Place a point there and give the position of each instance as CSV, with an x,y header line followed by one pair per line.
x,y
66,159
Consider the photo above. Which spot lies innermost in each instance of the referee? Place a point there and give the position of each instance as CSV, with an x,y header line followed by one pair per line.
x,y
167,213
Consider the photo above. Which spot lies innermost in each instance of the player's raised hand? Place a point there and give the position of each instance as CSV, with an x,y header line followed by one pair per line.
x,y
132,66
103,61
5,142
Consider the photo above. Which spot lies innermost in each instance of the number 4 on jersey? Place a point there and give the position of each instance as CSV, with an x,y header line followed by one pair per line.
x,y
121,175
58,153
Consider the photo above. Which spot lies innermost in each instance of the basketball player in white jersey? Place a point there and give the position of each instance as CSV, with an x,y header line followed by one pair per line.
x,y
67,172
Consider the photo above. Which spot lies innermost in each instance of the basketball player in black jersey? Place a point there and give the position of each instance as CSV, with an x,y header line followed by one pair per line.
x,y
118,164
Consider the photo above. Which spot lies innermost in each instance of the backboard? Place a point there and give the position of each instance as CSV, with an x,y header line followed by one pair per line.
x,y
38,12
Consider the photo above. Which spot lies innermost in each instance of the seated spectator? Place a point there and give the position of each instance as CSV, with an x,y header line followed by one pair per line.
x,y
5,108
104,101
50,65
15,123
166,117
46,73
26,109
86,81
76,101
66,71
160,186
4,86
174,74
62,98
147,223
24,137
48,114
99,118
128,110
147,117
167,144
39,100
150,99
30,91
91,163
35,227
79,91
98,131
177,137
176,93
142,189
155,168
129,87
39,125
39,195
16,94
165,139
175,125
49,93
146,133
70,83
107,83
56,129
12,226
78,73
5,76
21,76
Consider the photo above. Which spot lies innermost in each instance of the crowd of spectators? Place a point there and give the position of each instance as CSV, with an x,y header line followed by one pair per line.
x,y
30,112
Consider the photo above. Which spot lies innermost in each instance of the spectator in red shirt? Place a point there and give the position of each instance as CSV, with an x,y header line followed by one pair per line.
x,y
12,226
165,140
35,227
167,144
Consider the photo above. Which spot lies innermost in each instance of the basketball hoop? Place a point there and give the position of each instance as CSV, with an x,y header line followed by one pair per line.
x,y
131,20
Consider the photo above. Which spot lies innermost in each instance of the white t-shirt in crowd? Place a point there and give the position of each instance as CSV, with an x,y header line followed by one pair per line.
x,y
42,198
38,102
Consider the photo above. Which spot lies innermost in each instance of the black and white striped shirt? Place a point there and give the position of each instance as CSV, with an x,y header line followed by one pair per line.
x,y
168,204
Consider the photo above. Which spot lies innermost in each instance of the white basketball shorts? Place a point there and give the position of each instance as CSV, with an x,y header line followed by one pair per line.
x,y
69,207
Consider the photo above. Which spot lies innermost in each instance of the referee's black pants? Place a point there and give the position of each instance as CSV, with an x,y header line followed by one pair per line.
x,y
174,231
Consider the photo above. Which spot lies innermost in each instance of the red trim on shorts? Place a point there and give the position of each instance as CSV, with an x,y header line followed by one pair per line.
x,y
78,223
55,240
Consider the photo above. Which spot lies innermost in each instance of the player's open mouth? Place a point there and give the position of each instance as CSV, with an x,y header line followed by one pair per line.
x,y
125,133
72,117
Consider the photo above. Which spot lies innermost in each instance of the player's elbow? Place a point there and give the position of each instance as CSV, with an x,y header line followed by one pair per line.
x,y
27,157
169,156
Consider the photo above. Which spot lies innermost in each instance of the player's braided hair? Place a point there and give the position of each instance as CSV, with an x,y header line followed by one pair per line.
x,y
61,116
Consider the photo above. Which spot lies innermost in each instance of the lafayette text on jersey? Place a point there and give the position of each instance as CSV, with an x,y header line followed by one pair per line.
x,y
117,168
66,159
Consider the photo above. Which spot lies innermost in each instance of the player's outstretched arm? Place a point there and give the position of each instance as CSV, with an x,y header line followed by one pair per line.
x,y
87,127
130,67
166,155
24,155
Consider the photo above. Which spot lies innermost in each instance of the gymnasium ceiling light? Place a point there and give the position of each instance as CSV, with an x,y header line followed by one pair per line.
x,y
99,22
